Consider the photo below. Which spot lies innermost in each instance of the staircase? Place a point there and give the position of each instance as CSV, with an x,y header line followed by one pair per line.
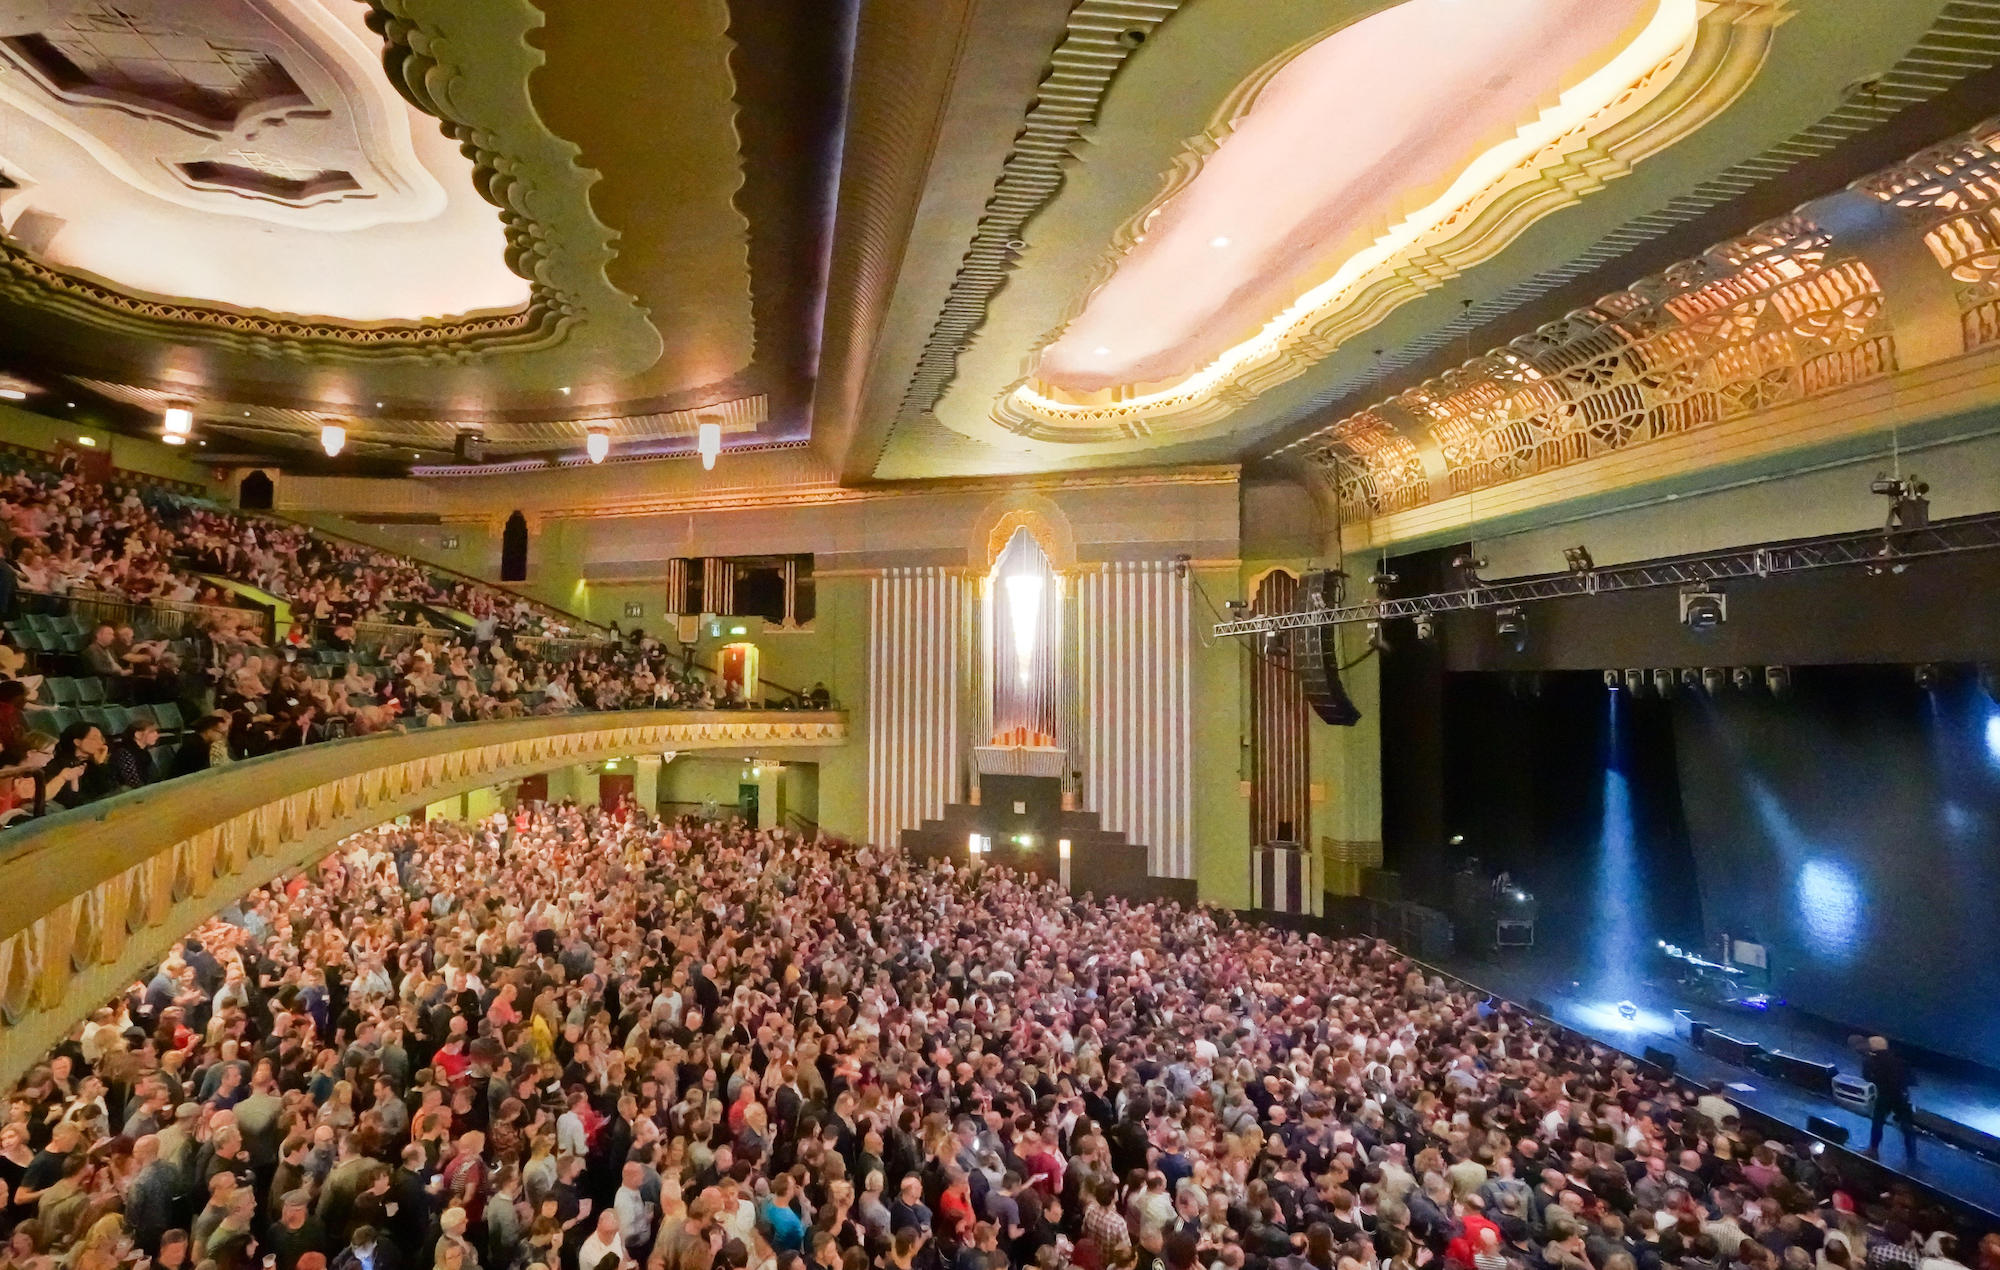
x,y
1102,861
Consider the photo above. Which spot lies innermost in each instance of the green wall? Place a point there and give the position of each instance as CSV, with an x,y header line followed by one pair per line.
x,y
1221,813
133,454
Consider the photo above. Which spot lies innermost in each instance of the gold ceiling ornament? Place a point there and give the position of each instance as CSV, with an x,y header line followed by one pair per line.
x,y
1776,315
1951,194
1680,76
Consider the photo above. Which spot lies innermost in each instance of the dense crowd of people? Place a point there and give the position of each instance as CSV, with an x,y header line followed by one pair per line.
x,y
581,1039
62,533
243,694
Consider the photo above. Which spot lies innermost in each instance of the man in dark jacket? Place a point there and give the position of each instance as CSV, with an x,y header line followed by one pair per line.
x,y
207,746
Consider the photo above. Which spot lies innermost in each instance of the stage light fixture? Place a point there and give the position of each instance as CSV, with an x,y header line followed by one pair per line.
x,y
1927,676
1237,608
1713,679
1613,681
178,421
1743,678
708,444
1384,583
1635,680
1511,625
1627,1011
1778,679
1426,628
1376,639
597,444
332,439
1690,678
1703,609
1467,567
1274,645
1578,559
1909,500
1663,683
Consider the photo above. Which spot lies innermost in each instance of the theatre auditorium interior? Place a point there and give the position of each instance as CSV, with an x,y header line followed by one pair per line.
x,y
1000,635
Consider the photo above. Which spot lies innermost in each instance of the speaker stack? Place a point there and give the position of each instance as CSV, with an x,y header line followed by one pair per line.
x,y
1316,651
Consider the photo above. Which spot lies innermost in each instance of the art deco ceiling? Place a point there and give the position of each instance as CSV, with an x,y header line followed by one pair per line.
x,y
928,238
524,217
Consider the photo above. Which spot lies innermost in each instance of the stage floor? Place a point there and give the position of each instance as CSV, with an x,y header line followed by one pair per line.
x,y
1961,1095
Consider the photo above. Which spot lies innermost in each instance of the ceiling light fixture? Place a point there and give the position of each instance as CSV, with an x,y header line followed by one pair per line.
x,y
1219,241
13,394
597,444
178,421
89,441
174,438
708,443
332,438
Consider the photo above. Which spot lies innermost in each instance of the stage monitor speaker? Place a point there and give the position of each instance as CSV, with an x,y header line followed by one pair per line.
x,y
1729,1049
1382,884
1661,1059
1316,651
1962,1136
1427,933
1803,1072
1821,1127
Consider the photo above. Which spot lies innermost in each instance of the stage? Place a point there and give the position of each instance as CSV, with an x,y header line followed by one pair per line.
x,y
1953,1090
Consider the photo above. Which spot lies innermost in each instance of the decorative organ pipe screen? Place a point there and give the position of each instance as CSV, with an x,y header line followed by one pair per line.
x,y
1280,803
914,622
1133,679
1024,636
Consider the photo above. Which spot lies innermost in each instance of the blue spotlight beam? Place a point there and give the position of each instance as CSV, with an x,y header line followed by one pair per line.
x,y
1871,547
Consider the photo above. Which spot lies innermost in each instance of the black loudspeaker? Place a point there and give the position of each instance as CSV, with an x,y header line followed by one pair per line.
x,y
1962,1136
1803,1072
1316,651
1729,1049
1821,1127
1660,1059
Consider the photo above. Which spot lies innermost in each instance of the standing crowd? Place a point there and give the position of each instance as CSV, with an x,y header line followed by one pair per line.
x,y
583,1039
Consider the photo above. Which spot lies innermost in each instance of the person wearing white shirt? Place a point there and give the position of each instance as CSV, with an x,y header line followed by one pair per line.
x,y
604,1242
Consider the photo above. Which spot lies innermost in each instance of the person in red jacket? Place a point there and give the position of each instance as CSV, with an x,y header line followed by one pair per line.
x,y
1461,1250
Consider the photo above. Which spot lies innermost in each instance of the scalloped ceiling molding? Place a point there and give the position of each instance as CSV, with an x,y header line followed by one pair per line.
x,y
252,155
1688,63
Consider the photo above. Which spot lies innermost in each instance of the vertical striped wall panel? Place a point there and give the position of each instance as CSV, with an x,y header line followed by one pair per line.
x,y
1135,664
915,618
1279,762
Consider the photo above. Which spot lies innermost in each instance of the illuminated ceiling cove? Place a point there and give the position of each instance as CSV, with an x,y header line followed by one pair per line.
x,y
247,153
1300,229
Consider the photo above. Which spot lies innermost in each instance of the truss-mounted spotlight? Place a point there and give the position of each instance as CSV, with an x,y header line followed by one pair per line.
x,y
1928,677
1778,679
597,444
1467,568
1237,608
1635,680
1713,680
1384,583
1690,678
1426,628
1274,644
1613,681
1703,608
1511,625
1663,683
1909,500
332,439
1743,678
1578,559
1376,639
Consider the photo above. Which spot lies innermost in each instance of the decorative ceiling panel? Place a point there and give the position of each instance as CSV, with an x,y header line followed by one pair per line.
x,y
1250,267
1829,71
250,154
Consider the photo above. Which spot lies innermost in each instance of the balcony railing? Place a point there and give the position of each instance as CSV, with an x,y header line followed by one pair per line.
x,y
90,897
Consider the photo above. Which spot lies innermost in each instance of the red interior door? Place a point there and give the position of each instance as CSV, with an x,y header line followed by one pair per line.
x,y
534,789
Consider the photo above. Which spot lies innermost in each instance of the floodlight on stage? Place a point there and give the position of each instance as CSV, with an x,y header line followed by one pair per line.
x,y
1635,681
1062,848
1511,626
1613,681
1578,559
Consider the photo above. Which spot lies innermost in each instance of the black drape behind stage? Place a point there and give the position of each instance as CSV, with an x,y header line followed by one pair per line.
x,y
1853,826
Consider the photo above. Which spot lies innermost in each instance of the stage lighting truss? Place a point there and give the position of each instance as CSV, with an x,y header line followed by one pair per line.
x,y
1865,549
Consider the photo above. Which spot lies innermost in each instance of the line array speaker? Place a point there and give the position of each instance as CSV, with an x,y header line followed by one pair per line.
x,y
1316,651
